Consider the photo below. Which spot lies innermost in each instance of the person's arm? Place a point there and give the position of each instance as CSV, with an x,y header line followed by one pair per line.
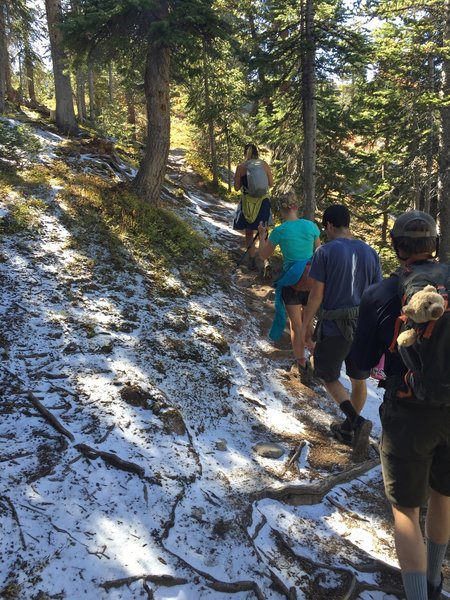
x,y
266,247
238,177
269,174
317,243
309,312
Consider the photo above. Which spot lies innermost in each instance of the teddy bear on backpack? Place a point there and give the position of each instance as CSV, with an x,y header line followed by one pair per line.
x,y
425,305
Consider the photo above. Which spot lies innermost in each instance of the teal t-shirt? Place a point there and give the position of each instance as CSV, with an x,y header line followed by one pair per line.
x,y
296,239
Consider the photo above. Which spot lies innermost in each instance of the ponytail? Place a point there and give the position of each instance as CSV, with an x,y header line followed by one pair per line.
x,y
250,151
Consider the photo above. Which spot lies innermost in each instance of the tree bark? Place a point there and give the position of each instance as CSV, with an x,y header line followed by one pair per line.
x,y
444,154
4,57
131,113
29,73
110,82
150,176
91,88
65,114
309,104
210,119
81,94
428,188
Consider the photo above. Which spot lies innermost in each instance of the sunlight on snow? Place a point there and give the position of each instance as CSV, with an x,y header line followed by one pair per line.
x,y
131,545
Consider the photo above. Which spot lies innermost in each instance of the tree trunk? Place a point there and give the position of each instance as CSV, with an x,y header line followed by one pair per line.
x,y
309,103
81,94
211,132
29,73
65,114
150,176
227,137
428,189
110,82
91,88
131,113
21,78
444,154
4,57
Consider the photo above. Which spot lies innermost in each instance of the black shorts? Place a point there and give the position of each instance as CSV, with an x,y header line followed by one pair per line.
x,y
330,353
292,298
415,452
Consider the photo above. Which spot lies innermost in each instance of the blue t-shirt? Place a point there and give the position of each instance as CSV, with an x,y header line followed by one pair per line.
x,y
347,268
296,239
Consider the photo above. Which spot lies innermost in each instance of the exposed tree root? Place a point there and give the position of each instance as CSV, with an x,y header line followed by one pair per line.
x,y
16,519
302,494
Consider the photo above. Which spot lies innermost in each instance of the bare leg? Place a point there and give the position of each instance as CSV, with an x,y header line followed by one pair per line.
x,y
359,394
409,541
294,312
438,518
249,235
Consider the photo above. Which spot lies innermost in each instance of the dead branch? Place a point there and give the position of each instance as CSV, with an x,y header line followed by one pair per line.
x,y
60,388
110,459
12,373
15,456
24,308
105,435
150,594
48,375
49,417
253,401
235,587
303,494
170,523
293,457
16,519
346,510
162,580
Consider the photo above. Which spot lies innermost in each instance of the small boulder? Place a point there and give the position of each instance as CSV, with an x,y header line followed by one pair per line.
x,y
268,450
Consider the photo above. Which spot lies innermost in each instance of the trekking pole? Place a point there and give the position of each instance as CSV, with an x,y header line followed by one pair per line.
x,y
248,248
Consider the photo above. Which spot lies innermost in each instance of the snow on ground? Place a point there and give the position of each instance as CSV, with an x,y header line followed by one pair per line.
x,y
128,421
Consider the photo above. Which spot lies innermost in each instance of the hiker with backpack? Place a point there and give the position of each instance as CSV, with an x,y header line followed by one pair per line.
x,y
341,270
298,238
415,413
253,178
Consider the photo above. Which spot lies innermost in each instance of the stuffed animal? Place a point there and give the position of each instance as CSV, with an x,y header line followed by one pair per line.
x,y
425,305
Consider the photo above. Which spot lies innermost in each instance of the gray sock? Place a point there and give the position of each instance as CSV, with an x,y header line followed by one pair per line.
x,y
435,558
415,584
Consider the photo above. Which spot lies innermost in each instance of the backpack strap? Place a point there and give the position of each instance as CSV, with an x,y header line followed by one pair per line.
x,y
398,323
408,393
418,258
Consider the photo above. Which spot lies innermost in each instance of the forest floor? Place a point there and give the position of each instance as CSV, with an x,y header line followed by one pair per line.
x,y
129,413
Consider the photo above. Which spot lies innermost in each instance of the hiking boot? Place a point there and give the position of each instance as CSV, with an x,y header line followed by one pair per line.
x,y
434,593
305,373
341,433
361,433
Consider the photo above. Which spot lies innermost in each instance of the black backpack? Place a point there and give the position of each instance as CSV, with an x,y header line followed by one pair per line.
x,y
428,359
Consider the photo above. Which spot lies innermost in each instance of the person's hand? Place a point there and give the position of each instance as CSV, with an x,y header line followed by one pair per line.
x,y
262,231
307,336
